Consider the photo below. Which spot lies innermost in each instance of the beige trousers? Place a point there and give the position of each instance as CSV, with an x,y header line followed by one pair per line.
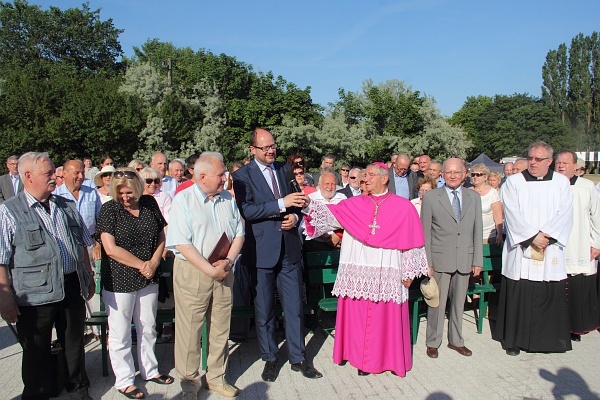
x,y
196,294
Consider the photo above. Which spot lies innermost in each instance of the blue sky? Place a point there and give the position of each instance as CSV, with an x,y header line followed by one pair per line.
x,y
446,49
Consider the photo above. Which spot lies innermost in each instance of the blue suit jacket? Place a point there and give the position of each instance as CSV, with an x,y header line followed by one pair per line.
x,y
260,210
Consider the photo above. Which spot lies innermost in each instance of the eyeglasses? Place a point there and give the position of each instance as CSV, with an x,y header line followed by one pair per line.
x,y
109,174
300,163
345,169
139,169
477,174
126,174
150,180
352,177
266,148
415,163
60,176
298,173
537,159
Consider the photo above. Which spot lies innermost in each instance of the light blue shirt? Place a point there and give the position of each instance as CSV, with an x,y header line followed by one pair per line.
x,y
88,204
198,221
265,171
169,185
451,196
401,185
15,179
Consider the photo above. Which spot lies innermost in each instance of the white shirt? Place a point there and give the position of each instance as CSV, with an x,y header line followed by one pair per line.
x,y
586,229
531,207
198,221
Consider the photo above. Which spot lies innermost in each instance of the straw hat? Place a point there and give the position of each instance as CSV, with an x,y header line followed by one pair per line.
x,y
430,291
109,169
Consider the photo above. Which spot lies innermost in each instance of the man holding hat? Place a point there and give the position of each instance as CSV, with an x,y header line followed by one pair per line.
x,y
452,225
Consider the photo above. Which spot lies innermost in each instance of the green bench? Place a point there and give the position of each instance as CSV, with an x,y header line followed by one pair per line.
x,y
164,315
321,268
492,262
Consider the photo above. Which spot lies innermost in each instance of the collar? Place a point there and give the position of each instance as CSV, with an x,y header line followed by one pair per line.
x,y
204,196
458,189
380,194
573,179
530,178
15,177
31,201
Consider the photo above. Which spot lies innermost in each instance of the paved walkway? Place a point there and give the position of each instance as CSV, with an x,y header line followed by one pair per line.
x,y
488,374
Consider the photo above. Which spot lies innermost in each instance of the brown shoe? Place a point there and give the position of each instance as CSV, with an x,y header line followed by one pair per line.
x,y
462,350
432,352
226,390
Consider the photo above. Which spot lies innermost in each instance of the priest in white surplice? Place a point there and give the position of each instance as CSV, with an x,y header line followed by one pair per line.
x,y
538,206
582,249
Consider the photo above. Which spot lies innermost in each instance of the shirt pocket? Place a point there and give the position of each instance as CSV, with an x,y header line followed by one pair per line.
x,y
32,279
34,237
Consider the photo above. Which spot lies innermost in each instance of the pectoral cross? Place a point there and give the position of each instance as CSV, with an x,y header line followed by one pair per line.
x,y
374,226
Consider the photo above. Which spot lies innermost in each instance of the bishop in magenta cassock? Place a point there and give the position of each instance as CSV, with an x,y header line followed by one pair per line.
x,y
382,252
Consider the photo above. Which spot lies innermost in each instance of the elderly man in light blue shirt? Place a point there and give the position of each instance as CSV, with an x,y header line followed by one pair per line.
x,y
199,218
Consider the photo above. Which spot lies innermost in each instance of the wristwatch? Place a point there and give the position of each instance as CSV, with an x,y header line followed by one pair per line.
x,y
229,263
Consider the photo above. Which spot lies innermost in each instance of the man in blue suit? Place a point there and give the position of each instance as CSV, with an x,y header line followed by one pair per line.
x,y
272,251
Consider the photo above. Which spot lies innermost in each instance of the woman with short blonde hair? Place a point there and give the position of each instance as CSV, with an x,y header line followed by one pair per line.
x,y
130,229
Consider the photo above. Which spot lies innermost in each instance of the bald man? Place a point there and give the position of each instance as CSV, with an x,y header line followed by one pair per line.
x,y
402,180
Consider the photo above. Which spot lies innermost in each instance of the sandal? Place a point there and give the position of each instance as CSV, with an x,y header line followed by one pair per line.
x,y
132,394
162,379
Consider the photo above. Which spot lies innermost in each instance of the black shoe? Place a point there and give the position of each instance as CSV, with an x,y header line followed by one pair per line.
x,y
513,352
575,337
308,371
269,374
362,373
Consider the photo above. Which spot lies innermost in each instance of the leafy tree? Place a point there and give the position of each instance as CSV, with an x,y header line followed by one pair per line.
x,y
76,36
506,125
571,87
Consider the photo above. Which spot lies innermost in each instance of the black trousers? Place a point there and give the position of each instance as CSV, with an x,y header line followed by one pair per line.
x,y
35,334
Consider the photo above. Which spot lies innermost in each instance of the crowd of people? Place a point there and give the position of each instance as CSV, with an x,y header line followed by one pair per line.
x,y
237,236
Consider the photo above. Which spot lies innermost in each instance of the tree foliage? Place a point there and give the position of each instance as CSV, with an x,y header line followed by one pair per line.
x,y
506,125
571,87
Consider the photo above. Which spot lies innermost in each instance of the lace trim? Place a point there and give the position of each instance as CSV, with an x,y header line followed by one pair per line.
x,y
380,283
319,220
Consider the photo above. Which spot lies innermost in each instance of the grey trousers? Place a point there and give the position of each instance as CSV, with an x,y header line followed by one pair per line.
x,y
452,286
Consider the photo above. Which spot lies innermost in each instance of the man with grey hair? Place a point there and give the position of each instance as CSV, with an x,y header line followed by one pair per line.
x,y
42,243
10,184
177,171
159,162
582,249
452,222
325,194
538,215
204,220
353,187
435,172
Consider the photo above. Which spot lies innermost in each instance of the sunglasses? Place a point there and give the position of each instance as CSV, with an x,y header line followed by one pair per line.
x,y
139,169
126,174
345,169
537,159
298,173
150,180
478,174
352,177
